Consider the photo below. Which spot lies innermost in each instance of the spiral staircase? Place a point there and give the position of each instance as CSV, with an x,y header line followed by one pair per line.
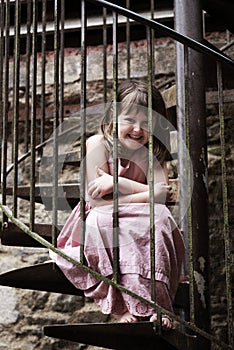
x,y
47,276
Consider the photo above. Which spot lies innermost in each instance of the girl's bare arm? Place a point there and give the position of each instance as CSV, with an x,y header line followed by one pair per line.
x,y
103,185
96,157
100,182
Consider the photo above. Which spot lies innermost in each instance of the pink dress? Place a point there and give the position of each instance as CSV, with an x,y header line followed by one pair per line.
x,y
134,252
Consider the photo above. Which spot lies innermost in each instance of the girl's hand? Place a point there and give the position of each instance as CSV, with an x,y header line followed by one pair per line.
x,y
101,186
162,192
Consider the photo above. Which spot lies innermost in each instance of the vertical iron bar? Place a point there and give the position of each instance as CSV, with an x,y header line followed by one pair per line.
x,y
61,91
104,36
152,41
1,80
199,199
33,114
128,41
16,103
181,81
27,81
151,164
226,233
187,186
228,36
43,65
5,104
83,126
55,124
115,153
204,23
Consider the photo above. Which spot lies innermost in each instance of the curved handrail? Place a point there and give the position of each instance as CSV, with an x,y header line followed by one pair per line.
x,y
178,37
161,28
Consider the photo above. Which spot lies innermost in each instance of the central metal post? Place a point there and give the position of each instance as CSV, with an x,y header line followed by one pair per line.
x,y
191,114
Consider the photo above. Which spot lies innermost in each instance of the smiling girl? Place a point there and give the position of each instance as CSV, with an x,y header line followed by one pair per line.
x,y
133,213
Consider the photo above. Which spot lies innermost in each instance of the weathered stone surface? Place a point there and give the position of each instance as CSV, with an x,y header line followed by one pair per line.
x,y
8,306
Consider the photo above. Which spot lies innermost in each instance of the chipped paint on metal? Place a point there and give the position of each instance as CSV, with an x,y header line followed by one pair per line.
x,y
202,262
200,283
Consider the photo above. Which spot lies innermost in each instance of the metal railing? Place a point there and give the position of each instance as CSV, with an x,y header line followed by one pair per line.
x,y
35,66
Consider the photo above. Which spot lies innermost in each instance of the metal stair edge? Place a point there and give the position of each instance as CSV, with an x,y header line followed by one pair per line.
x,y
48,277
123,335
68,194
42,277
12,235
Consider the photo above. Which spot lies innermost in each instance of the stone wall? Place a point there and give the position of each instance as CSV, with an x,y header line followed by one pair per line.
x,y
24,313
216,218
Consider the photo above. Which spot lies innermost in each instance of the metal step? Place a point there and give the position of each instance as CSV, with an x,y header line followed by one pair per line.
x,y
68,194
137,336
48,277
70,158
12,235
43,277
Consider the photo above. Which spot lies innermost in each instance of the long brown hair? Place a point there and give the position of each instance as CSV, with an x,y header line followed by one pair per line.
x,y
133,94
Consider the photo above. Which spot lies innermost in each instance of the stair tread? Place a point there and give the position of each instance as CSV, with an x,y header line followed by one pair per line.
x,y
140,335
43,277
70,157
48,277
12,235
23,191
68,194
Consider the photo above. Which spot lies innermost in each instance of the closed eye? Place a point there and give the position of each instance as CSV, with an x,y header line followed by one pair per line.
x,y
145,124
129,120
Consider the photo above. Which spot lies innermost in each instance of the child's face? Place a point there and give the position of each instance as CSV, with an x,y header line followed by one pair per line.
x,y
133,129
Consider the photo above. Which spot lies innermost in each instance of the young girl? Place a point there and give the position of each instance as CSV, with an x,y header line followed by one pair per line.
x,y
133,213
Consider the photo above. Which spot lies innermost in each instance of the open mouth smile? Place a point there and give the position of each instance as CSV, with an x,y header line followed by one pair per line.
x,y
135,137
